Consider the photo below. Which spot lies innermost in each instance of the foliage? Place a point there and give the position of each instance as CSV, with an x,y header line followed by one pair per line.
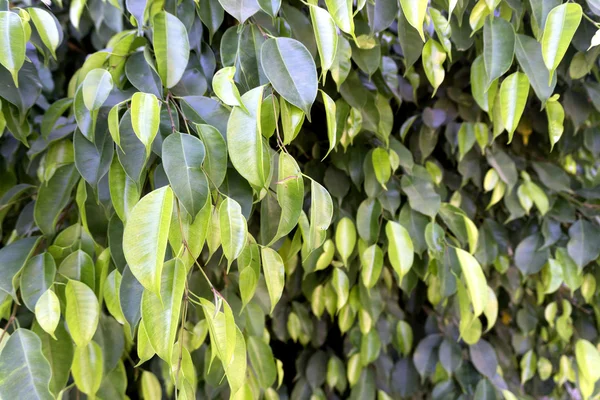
x,y
255,198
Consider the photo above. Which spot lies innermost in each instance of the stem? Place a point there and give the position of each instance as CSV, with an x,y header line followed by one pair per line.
x,y
11,319
173,128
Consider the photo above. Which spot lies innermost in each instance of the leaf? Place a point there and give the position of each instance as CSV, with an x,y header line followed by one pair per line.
x,y
483,93
247,152
372,264
145,237
12,260
222,329
215,161
161,313
498,47
341,12
225,88
240,9
325,35
261,359
274,274
561,24
414,11
588,358
182,157
513,98
345,238
298,85
47,312
95,88
330,113
475,280
400,248
47,28
53,197
433,59
24,370
145,118
484,358
583,246
321,213
124,192
529,56
171,47
341,286
290,195
87,368
36,278
234,229
12,41
556,116
381,165
82,312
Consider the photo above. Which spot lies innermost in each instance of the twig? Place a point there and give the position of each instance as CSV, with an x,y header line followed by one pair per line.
x,y
11,319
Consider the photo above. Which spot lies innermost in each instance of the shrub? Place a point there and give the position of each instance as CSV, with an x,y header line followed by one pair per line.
x,y
249,199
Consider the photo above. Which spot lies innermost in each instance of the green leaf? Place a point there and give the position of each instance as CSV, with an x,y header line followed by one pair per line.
x,y
12,260
53,197
529,55
87,368
47,311
262,361
225,87
400,248
556,117
588,359
24,370
145,118
236,370
341,286
292,119
372,264
583,246
561,24
345,238
182,157
321,213
433,60
96,87
12,41
498,47
381,165
248,154
124,192
298,85
145,237
82,312
513,98
274,274
326,36
341,12
215,162
161,313
404,337
330,113
222,329
234,229
483,93
475,280
290,195
414,11
240,9
37,277
171,47
47,27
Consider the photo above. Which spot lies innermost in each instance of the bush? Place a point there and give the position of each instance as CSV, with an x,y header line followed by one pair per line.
x,y
247,199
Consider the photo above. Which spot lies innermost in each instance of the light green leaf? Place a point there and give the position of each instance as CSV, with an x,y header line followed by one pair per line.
x,y
47,28
433,60
150,386
291,70
82,312
171,47
321,212
111,289
24,370
225,88
274,274
498,47
262,361
400,248
96,87
341,12
372,264
513,98
483,92
381,165
37,276
182,157
145,118
145,237
222,329
341,286
290,194
414,11
161,314
345,238
292,119
326,36
475,280
588,359
236,370
240,9
123,190
561,25
87,368
47,311
330,113
215,161
12,43
556,117
234,229
248,154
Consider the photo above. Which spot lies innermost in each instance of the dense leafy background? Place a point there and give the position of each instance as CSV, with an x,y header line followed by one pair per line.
x,y
255,198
